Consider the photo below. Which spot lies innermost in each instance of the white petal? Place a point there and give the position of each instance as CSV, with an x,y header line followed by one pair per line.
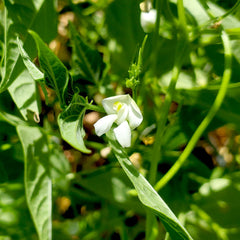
x,y
122,114
148,20
123,134
109,102
104,124
134,115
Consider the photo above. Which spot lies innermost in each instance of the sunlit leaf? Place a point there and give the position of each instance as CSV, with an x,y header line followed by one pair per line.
x,y
18,17
38,185
56,74
70,123
35,73
147,195
25,95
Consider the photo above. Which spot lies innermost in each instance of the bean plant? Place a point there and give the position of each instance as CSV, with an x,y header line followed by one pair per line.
x,y
119,119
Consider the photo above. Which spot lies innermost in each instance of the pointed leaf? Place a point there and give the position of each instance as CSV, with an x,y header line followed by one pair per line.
x,y
56,74
70,122
147,195
25,95
19,16
123,25
35,73
88,62
38,184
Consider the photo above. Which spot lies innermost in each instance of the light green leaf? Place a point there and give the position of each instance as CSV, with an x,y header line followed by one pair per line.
x,y
56,74
38,184
87,61
25,95
35,73
70,123
19,16
147,195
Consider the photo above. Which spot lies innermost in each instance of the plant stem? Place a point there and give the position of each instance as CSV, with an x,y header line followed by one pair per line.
x,y
212,112
181,13
179,57
231,11
181,51
220,18
161,124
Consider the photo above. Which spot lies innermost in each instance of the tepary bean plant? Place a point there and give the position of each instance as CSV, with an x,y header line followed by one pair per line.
x,y
114,135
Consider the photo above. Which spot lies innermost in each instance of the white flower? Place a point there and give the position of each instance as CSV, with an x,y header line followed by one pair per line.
x,y
125,113
148,20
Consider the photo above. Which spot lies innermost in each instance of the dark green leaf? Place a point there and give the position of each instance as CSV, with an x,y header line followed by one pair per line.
x,y
118,188
216,198
87,61
203,99
123,24
56,74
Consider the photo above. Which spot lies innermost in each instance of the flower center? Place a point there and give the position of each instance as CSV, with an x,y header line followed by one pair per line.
x,y
117,106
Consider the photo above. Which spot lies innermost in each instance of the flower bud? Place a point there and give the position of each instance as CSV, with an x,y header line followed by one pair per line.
x,y
148,20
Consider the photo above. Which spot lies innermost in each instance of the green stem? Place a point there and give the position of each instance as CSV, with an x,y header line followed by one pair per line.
x,y
161,124
157,25
181,13
212,112
179,57
231,11
151,226
180,52
217,19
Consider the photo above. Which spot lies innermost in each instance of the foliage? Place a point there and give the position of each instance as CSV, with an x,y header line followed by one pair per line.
x,y
180,177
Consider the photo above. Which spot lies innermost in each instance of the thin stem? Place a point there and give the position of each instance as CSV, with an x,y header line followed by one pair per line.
x,y
151,226
231,11
161,124
180,51
179,57
181,13
167,237
5,44
217,19
157,25
212,112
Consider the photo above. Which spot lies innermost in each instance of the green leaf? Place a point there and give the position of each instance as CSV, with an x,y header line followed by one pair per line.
x,y
218,196
123,25
18,17
70,123
202,99
25,95
88,62
147,195
38,184
56,74
118,188
35,73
